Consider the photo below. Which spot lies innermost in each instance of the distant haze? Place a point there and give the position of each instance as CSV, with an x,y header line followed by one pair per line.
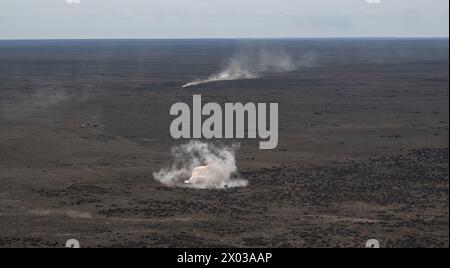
x,y
41,19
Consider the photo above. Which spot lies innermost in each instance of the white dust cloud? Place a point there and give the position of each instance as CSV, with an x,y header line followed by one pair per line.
x,y
216,164
251,64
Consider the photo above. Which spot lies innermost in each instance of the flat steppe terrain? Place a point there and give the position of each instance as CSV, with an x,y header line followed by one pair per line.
x,y
363,150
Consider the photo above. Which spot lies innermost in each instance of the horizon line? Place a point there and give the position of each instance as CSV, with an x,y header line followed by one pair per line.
x,y
222,38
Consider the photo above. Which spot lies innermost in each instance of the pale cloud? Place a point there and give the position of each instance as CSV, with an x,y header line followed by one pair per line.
x,y
373,2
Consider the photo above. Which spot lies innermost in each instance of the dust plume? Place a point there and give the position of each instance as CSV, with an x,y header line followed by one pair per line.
x,y
251,64
220,161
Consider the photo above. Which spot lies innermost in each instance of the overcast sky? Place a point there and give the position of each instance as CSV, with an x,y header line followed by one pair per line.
x,y
40,19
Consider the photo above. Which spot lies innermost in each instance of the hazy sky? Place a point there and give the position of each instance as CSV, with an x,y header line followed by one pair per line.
x,y
222,18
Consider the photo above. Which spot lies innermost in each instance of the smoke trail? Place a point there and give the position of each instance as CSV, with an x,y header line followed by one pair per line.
x,y
220,161
251,64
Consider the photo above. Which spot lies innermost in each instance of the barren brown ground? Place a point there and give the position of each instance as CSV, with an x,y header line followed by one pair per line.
x,y
363,149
